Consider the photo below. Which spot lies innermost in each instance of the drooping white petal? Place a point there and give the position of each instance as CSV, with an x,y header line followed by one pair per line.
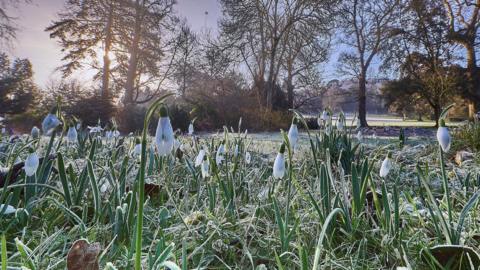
x,y
293,136
50,122
205,168
9,209
96,129
359,136
72,134
220,152
31,164
35,133
324,115
164,137
279,166
248,157
137,150
116,133
176,144
190,129
199,158
386,167
444,139
235,151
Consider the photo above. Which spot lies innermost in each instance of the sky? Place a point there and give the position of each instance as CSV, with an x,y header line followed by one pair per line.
x,y
44,53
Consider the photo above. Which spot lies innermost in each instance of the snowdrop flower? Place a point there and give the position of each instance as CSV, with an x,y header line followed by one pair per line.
x,y
50,123
248,157
199,158
137,150
72,134
177,144
190,129
279,164
220,152
341,121
325,115
443,136
35,133
359,136
116,133
79,126
164,135
386,165
293,135
104,187
108,134
31,163
8,209
235,151
96,129
205,167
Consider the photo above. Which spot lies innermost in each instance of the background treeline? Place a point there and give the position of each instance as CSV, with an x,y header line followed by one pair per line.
x,y
267,56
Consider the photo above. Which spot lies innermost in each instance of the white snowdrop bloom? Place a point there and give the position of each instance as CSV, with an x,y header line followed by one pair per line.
x,y
199,158
108,134
137,149
235,151
340,125
177,145
220,154
341,122
386,165
324,115
50,122
164,137
72,134
279,164
96,129
248,157
205,167
35,133
104,187
79,126
31,164
8,209
116,133
443,136
190,129
359,136
293,135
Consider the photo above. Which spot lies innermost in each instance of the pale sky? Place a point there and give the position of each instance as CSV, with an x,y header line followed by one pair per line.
x,y
35,44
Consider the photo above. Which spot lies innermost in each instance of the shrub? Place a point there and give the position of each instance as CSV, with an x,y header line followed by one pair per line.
x,y
467,137
91,109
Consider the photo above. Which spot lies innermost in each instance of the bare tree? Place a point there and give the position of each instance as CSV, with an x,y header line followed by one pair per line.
x,y
259,31
8,28
367,26
464,22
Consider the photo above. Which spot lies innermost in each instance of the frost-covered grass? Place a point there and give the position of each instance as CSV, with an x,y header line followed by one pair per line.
x,y
321,215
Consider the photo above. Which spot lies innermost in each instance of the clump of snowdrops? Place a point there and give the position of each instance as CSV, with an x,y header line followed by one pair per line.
x,y
306,199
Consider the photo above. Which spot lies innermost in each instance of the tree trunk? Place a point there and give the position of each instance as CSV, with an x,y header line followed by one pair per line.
x,y
436,114
472,76
362,100
290,89
106,59
133,60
